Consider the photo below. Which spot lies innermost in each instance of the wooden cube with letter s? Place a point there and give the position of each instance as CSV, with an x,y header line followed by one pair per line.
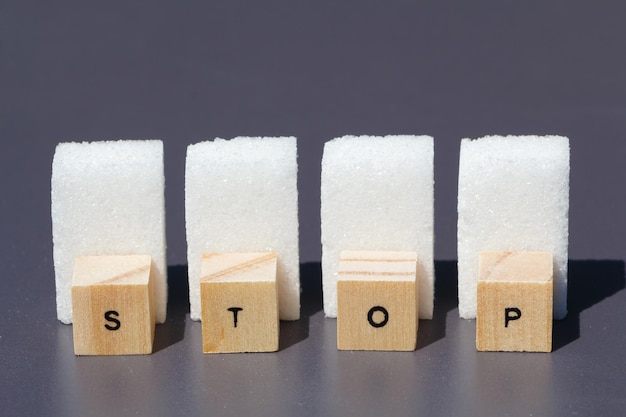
x,y
113,305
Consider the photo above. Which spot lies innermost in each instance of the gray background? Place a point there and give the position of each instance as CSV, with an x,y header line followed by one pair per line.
x,y
188,71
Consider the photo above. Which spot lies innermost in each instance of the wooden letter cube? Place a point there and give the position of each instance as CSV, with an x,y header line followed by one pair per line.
x,y
239,302
113,305
515,302
377,301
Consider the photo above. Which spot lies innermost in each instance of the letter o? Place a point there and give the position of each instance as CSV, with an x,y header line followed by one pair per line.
x,y
370,316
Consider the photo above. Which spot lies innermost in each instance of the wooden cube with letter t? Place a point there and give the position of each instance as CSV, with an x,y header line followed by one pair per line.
x,y
113,305
515,293
239,302
377,301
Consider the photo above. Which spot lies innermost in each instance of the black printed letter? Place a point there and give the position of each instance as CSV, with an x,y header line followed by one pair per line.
x,y
510,317
235,310
108,316
370,316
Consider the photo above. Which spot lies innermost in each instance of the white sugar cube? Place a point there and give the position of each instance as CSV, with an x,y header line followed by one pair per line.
x,y
108,199
241,196
513,196
377,195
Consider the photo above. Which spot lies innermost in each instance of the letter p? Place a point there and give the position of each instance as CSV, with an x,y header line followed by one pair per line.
x,y
511,314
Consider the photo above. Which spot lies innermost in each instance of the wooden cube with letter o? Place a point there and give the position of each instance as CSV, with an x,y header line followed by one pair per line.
x,y
377,301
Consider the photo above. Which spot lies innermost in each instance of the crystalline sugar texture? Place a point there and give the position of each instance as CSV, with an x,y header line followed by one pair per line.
x,y
241,196
108,199
377,195
513,196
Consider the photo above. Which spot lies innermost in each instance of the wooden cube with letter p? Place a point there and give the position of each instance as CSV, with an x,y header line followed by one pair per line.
x,y
239,302
113,305
377,301
515,297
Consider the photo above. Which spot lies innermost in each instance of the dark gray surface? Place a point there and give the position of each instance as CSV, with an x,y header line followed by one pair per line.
x,y
190,71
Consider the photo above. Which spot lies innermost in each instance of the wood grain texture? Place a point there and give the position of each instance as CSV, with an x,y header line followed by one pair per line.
x,y
515,296
113,305
239,302
377,301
